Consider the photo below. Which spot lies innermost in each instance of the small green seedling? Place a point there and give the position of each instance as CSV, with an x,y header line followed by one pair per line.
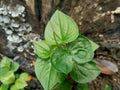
x,y
64,54
8,79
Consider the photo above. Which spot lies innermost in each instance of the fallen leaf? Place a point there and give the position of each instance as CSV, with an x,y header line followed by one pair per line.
x,y
106,66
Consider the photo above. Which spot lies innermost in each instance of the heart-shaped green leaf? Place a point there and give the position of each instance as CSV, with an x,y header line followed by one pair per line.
x,y
61,29
83,73
81,50
42,49
47,75
62,60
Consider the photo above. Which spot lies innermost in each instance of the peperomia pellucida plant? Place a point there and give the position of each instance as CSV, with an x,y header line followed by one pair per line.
x,y
64,55
9,79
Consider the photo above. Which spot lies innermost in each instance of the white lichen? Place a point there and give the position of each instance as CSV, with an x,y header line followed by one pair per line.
x,y
3,10
14,38
15,24
8,31
16,11
20,49
17,29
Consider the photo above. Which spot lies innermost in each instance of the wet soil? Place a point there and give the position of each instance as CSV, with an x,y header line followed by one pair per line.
x,y
96,20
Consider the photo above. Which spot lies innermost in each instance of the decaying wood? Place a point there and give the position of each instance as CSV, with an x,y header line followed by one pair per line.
x,y
46,9
31,4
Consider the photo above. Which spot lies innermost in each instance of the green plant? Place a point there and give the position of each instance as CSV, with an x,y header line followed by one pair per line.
x,y
64,56
8,79
107,87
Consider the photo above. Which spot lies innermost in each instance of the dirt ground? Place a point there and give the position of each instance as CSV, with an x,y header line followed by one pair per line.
x,y
99,20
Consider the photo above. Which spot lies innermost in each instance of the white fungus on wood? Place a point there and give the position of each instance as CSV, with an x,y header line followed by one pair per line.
x,y
17,29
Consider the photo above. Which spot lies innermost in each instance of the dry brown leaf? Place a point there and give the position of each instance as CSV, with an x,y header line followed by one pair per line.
x,y
106,67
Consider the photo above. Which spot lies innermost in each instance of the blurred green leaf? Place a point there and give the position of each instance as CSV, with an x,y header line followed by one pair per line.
x,y
13,87
3,71
107,87
5,62
23,76
19,84
4,87
14,66
8,78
